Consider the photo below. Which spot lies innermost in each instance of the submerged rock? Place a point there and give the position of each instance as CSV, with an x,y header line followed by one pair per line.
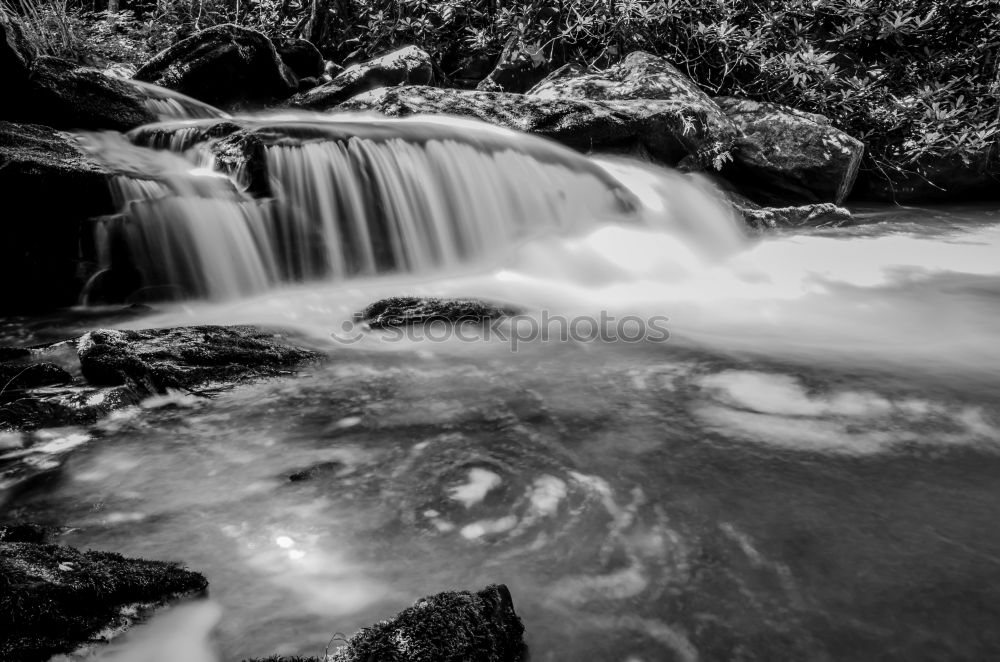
x,y
659,126
56,598
409,66
50,187
404,311
153,360
456,626
791,154
222,65
824,214
642,76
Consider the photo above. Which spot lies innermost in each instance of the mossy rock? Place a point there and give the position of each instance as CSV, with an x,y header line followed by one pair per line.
x,y
153,360
57,598
405,311
455,626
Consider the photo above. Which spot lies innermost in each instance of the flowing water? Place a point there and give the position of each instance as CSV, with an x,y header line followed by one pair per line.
x,y
802,467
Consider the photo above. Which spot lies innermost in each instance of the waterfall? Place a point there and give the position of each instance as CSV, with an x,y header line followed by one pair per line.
x,y
225,209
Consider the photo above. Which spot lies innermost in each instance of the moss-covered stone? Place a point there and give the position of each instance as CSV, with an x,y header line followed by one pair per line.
x,y
790,155
153,360
409,65
405,311
56,598
643,76
455,626
223,64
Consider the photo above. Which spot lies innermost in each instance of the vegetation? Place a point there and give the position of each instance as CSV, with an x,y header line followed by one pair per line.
x,y
911,78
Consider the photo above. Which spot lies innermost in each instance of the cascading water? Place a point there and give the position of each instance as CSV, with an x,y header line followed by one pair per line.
x,y
343,201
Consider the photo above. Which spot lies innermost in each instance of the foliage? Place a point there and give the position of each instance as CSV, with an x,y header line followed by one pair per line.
x,y
911,78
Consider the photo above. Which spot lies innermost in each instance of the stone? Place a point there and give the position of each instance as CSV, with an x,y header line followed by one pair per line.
x,y
301,56
641,76
57,598
50,188
791,155
409,66
455,626
821,215
153,360
17,376
224,64
659,126
406,311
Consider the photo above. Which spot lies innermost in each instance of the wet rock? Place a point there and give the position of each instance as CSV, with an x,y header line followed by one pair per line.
x,y
458,626
19,376
409,66
72,405
405,311
49,188
659,126
23,532
317,471
516,70
57,598
641,76
796,156
824,214
222,65
153,360
301,57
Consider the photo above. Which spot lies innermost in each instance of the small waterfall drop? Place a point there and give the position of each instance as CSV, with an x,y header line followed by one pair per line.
x,y
221,209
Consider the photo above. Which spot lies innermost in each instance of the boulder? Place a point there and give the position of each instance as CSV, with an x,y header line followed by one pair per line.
x,y
67,96
57,598
224,64
516,70
786,154
153,360
455,626
50,188
409,66
301,57
658,126
639,77
406,311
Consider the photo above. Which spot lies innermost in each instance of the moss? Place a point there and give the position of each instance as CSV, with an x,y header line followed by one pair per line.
x,y
457,626
403,311
56,598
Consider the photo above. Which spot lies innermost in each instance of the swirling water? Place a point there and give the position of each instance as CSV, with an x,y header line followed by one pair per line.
x,y
805,470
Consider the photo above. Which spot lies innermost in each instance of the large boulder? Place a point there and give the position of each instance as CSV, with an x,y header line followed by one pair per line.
x,y
301,56
640,77
658,126
50,187
788,154
57,598
456,626
67,96
224,64
406,66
